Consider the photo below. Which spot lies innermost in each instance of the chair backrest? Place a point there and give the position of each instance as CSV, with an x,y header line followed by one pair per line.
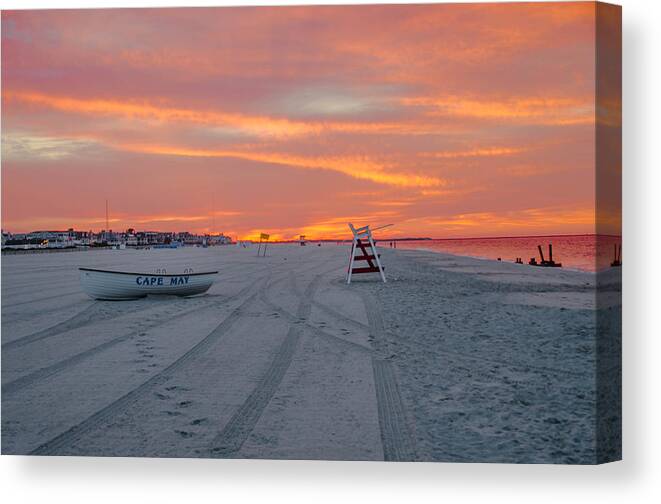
x,y
365,230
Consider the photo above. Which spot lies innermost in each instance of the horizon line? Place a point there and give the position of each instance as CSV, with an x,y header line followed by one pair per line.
x,y
405,238
426,238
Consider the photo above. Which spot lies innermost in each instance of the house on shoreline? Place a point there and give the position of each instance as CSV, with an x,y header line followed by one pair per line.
x,y
129,238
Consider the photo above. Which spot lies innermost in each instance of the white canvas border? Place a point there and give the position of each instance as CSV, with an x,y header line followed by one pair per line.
x,y
70,480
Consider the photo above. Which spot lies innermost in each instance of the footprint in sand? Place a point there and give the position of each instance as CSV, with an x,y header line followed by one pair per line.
x,y
176,387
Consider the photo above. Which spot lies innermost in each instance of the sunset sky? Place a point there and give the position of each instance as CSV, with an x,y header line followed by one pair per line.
x,y
446,120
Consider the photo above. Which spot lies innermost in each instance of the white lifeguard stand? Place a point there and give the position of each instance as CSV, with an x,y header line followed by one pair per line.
x,y
362,240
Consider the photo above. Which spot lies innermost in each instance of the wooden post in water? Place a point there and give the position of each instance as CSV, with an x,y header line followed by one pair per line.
x,y
617,255
541,253
544,262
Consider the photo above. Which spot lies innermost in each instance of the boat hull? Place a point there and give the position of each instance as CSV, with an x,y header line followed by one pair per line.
x,y
117,285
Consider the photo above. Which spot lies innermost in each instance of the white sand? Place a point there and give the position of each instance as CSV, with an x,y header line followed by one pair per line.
x,y
454,359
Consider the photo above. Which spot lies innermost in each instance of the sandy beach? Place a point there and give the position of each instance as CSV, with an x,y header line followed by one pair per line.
x,y
454,359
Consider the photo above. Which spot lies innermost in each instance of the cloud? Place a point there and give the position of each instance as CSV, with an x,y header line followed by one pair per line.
x,y
256,125
144,219
477,152
359,167
527,110
524,219
17,147
329,228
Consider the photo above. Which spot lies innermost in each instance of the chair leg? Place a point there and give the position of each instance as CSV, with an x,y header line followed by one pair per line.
x,y
353,252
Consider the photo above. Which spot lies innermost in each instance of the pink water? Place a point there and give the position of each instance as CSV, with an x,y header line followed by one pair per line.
x,y
580,252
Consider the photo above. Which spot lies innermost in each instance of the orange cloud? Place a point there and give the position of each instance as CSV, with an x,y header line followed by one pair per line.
x,y
394,203
531,218
481,152
553,111
261,126
258,125
330,228
171,218
337,227
255,235
362,168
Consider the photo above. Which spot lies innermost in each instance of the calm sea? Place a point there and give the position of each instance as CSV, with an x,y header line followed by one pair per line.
x,y
580,252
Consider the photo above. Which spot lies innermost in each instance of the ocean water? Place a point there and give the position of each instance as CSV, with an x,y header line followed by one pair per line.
x,y
579,252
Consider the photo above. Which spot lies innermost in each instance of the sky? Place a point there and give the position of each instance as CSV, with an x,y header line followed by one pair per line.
x,y
445,120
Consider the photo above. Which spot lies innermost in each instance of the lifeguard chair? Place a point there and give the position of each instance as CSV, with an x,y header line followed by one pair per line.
x,y
362,241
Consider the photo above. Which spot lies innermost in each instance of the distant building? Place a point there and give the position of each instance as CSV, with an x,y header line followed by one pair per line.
x,y
51,239
130,237
131,240
220,239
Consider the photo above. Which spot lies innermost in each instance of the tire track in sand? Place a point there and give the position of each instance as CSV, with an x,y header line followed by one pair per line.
x,y
230,440
96,312
462,355
396,436
316,331
69,437
37,300
48,371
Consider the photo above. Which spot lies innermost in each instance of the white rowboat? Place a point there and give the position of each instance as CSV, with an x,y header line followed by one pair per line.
x,y
121,285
